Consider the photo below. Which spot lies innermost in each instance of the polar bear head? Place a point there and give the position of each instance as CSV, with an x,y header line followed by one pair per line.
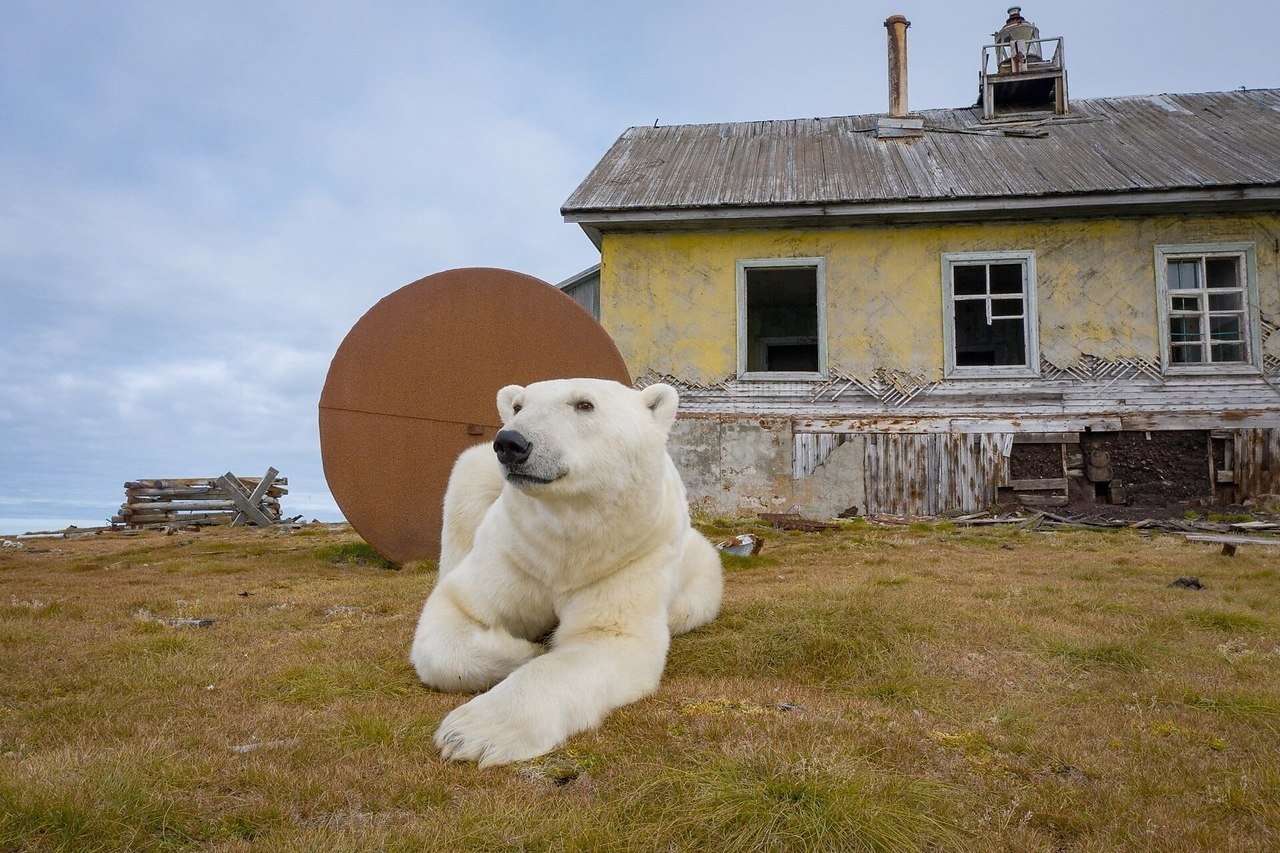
x,y
582,436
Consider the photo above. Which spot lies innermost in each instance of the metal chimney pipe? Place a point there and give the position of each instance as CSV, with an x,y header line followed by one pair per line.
x,y
897,29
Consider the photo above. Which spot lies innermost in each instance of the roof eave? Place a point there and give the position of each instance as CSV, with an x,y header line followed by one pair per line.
x,y
1218,199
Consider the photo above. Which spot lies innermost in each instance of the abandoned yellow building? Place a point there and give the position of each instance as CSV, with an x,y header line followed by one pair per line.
x,y
1033,298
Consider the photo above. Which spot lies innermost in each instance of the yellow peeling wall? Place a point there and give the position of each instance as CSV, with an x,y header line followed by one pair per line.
x,y
669,298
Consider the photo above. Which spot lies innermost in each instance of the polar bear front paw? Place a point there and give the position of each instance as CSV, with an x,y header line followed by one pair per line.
x,y
490,731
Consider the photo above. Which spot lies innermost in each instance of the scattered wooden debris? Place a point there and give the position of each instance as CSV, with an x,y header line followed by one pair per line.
x,y
254,746
975,519
1043,518
71,532
203,500
174,621
1229,542
792,521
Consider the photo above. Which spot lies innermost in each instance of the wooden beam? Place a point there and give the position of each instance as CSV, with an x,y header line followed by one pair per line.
x,y
1050,483
1027,499
256,498
237,493
1228,539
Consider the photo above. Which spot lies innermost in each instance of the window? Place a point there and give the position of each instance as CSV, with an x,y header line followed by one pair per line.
x,y
1207,307
782,327
990,323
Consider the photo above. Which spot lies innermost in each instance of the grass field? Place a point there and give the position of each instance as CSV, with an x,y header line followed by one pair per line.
x,y
874,688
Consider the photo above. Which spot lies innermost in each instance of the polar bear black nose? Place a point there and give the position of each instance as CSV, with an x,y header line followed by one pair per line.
x,y
512,447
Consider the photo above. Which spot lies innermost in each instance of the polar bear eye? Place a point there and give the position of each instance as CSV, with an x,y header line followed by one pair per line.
x,y
515,410
584,406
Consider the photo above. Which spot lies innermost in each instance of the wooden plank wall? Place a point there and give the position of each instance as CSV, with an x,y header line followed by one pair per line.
x,y
933,473
1257,462
811,449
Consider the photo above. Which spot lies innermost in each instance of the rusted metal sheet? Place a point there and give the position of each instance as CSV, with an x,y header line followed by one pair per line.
x,y
1158,143
414,384
933,473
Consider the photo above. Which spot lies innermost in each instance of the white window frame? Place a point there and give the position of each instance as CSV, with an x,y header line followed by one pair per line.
x,y
820,272
1030,317
1252,337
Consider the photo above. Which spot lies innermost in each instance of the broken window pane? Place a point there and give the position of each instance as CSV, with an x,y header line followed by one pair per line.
x,y
1221,272
1006,308
983,343
792,357
970,280
1006,278
782,319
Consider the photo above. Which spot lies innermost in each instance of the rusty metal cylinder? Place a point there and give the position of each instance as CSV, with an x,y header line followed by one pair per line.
x,y
896,25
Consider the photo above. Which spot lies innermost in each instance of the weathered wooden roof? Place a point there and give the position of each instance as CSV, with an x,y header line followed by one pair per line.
x,y
1220,145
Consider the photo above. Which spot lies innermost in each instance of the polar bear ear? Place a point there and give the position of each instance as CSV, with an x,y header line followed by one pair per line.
x,y
506,401
662,400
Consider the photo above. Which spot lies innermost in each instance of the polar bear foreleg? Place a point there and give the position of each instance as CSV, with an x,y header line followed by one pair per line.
x,y
456,649
570,689
474,484
608,651
700,580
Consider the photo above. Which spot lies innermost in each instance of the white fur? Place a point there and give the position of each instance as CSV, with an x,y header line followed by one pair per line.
x,y
603,555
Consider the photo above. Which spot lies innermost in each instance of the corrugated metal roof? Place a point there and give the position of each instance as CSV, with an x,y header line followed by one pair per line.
x,y
1157,143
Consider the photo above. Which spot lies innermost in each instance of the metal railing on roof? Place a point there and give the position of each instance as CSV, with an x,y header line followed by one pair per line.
x,y
1023,56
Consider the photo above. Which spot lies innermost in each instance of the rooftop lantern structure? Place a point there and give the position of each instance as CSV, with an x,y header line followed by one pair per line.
x,y
1016,77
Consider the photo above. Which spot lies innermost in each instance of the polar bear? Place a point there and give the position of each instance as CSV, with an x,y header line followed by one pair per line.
x,y
573,529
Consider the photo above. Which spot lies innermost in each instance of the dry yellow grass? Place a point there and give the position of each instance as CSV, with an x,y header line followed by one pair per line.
x,y
922,688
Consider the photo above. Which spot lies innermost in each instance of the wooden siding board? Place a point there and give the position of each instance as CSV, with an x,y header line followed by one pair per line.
x,y
1256,461
931,473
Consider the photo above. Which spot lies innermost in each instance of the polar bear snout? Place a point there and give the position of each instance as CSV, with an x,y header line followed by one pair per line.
x,y
512,447
526,465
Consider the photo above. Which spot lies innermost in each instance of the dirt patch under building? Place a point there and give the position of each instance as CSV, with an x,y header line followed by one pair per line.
x,y
1157,469
1035,461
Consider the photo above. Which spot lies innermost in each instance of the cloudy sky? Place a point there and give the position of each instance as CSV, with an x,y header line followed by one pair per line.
x,y
198,200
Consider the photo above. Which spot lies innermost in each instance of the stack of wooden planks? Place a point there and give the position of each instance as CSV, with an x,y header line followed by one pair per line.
x,y
203,500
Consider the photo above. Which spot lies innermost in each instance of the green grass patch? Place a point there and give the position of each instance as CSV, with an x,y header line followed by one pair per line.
x,y
1123,657
92,809
1223,620
1230,517
746,806
319,683
823,638
1237,705
355,554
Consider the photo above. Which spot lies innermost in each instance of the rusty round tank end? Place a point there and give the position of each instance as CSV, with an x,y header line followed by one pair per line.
x,y
413,385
